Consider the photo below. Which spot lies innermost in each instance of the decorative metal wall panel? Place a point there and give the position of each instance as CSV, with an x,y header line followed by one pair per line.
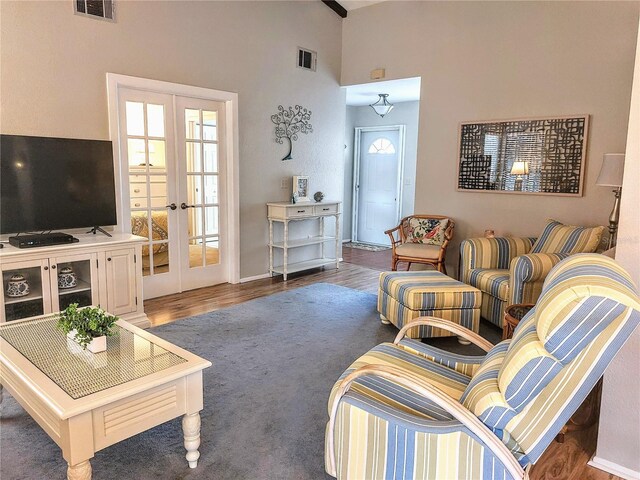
x,y
553,150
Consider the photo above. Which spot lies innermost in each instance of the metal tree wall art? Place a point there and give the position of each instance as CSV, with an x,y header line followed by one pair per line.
x,y
289,122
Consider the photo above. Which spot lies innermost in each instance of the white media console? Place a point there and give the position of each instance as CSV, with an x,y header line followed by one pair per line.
x,y
105,271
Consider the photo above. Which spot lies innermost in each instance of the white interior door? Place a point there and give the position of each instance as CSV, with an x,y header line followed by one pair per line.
x,y
148,148
377,180
172,148
202,193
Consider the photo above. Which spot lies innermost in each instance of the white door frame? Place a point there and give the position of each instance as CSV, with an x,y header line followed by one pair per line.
x,y
356,171
230,99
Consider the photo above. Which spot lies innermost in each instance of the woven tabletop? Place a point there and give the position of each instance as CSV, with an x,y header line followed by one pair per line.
x,y
79,372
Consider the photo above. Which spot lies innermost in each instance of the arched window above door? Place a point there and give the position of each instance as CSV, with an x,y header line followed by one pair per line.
x,y
382,145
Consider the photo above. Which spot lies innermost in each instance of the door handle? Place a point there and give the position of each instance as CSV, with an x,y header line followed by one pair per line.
x,y
172,206
184,206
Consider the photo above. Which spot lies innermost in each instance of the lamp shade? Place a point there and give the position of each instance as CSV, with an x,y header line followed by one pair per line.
x,y
612,170
520,168
382,106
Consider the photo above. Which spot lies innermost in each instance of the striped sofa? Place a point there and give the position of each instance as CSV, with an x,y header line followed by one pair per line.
x,y
510,270
408,410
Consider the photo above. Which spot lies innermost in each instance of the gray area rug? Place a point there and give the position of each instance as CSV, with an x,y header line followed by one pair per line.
x,y
265,408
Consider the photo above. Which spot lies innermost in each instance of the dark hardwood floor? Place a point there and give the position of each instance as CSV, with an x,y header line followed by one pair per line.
x,y
360,270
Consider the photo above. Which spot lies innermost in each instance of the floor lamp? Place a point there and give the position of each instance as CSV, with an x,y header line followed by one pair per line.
x,y
611,176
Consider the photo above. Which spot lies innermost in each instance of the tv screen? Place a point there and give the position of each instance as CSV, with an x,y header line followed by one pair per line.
x,y
55,183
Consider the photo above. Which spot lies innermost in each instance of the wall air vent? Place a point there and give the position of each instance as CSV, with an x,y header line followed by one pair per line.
x,y
103,9
307,59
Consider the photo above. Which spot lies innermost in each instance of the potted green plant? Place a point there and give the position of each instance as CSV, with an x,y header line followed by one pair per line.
x,y
88,326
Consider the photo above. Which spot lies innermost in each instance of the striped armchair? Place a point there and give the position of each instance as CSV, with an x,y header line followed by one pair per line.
x,y
510,270
408,410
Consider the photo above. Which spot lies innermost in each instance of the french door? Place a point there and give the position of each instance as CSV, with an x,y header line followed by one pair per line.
x,y
170,147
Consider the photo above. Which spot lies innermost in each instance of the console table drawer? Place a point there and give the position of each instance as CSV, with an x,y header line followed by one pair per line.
x,y
300,211
325,209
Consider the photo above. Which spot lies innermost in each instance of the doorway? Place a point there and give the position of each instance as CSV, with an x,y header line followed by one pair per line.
x,y
174,178
377,182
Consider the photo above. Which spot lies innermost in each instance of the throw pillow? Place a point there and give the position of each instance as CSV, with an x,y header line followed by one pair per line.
x,y
559,238
425,230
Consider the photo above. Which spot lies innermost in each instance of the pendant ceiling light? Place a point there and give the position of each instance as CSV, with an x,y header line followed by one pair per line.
x,y
382,106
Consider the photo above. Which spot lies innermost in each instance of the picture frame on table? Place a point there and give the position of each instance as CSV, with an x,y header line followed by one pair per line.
x,y
301,188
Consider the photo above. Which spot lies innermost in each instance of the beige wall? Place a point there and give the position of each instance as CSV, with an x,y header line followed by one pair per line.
x,y
53,66
500,60
619,432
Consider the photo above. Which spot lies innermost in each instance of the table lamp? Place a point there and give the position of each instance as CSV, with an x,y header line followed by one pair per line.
x,y
611,174
519,169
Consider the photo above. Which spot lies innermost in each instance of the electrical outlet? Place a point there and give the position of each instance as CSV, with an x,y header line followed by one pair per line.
x,y
284,183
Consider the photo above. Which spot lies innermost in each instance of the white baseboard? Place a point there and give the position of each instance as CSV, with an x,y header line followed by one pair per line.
x,y
614,468
255,277
346,241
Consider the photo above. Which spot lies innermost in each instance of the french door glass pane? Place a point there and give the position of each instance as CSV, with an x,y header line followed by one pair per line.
x,y
195,221
135,118
155,120
210,189
193,157
211,220
194,189
195,253
210,129
192,124
157,156
160,258
212,250
210,157
136,151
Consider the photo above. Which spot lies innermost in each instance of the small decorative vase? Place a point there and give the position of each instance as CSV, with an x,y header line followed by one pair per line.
x,y
67,278
17,286
318,196
96,345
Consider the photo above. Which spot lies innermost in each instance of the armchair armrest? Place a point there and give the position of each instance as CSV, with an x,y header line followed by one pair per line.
x,y
445,325
492,253
451,406
527,274
394,241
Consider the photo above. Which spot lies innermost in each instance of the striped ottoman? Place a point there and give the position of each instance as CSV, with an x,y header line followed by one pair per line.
x,y
404,296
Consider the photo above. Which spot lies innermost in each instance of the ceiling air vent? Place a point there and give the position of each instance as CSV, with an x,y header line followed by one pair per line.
x,y
307,59
95,8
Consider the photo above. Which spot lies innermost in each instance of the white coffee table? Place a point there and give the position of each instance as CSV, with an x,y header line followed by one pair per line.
x,y
86,402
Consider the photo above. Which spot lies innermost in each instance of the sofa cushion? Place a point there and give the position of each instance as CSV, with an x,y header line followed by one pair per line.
x,y
429,289
428,231
451,382
419,250
527,368
492,281
559,238
483,396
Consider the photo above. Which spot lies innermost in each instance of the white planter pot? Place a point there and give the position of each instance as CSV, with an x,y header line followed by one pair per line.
x,y
97,345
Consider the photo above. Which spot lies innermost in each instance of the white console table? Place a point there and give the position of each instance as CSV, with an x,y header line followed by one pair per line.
x,y
284,213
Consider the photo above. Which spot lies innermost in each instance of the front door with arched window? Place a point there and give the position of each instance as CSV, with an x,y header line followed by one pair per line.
x,y
377,183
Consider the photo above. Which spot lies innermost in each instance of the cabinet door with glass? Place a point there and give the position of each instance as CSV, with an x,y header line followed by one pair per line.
x,y
74,279
25,289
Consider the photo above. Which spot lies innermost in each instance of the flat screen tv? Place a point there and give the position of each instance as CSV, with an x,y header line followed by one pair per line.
x,y
55,183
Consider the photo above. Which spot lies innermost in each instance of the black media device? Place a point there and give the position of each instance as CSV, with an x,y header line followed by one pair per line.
x,y
53,184
41,240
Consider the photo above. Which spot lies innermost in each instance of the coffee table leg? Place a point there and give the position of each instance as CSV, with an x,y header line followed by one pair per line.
x,y
81,471
191,431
